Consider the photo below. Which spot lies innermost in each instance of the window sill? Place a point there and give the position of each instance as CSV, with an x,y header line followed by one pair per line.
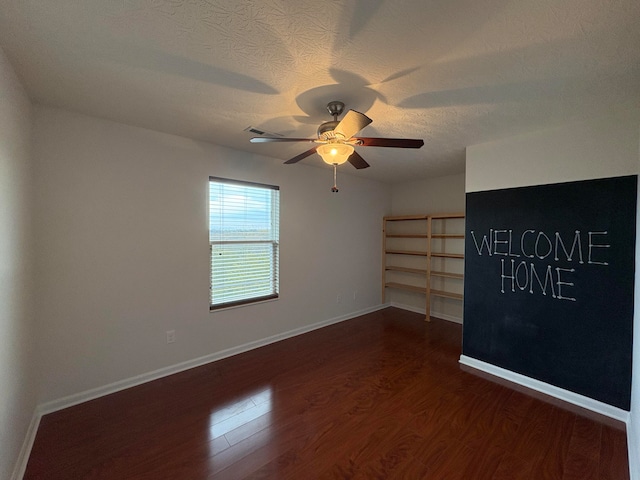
x,y
229,306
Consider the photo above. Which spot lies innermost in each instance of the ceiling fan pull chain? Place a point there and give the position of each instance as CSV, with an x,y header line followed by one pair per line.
x,y
334,189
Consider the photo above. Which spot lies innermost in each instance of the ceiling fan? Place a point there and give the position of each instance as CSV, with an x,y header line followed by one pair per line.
x,y
336,140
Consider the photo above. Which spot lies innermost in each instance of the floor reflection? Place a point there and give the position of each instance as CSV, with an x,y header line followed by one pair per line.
x,y
240,419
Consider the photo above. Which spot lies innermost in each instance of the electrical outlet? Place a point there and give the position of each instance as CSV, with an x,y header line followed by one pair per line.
x,y
338,298
171,336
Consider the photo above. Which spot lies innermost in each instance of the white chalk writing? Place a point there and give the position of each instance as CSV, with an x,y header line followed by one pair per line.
x,y
535,245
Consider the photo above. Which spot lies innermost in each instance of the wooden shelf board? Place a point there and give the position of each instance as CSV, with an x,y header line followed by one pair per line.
x,y
420,271
441,293
406,252
406,217
447,215
402,286
447,255
407,235
447,274
446,235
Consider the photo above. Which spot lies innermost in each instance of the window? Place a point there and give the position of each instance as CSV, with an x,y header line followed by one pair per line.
x,y
243,241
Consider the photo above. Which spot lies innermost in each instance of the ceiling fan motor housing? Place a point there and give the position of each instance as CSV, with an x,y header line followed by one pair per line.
x,y
326,130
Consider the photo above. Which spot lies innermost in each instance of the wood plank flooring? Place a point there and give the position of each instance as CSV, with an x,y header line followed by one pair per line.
x,y
381,396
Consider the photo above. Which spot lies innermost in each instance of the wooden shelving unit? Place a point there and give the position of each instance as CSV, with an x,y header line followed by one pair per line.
x,y
412,238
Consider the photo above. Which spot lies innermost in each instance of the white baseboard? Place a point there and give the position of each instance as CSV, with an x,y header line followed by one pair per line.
x,y
101,391
442,316
633,447
27,444
547,389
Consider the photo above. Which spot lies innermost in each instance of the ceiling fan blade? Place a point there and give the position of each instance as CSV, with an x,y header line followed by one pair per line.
x,y
280,139
302,156
352,123
390,142
357,161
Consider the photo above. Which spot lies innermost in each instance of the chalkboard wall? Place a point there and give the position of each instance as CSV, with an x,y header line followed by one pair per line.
x,y
549,280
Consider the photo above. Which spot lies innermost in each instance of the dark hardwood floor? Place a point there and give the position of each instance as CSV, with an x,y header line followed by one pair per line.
x,y
378,397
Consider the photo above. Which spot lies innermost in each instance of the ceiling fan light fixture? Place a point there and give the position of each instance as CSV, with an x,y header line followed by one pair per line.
x,y
335,153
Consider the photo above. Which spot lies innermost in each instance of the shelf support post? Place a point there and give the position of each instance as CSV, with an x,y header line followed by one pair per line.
x,y
428,292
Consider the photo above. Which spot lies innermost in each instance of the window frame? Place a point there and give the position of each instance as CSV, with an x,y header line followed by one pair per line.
x,y
273,241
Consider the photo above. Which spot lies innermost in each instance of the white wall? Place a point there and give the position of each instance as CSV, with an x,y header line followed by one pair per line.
x,y
599,148
633,429
17,399
434,195
122,250
431,195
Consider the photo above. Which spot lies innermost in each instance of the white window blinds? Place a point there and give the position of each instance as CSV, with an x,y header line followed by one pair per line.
x,y
244,242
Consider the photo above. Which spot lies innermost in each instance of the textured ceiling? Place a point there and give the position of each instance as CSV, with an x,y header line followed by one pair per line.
x,y
452,72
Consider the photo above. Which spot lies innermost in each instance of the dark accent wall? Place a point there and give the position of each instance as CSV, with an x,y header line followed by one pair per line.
x,y
549,281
